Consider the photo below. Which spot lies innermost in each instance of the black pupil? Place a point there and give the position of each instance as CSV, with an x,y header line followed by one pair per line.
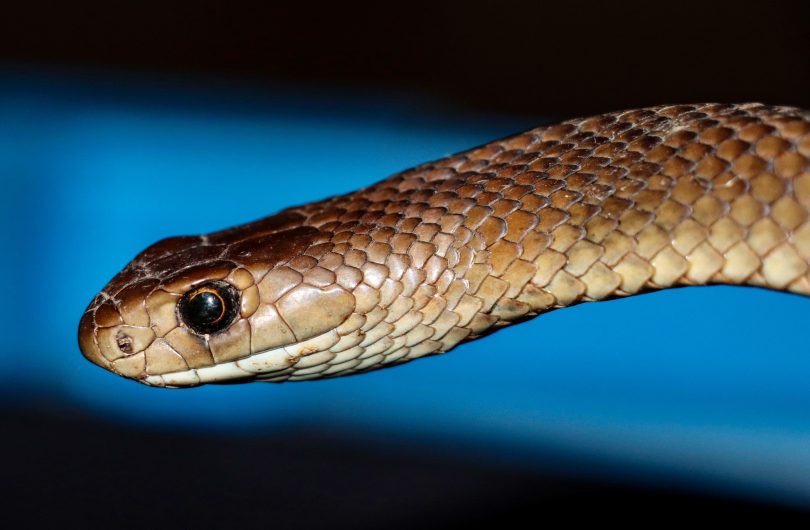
x,y
210,308
205,308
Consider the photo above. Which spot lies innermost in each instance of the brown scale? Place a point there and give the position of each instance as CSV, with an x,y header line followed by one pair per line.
x,y
581,211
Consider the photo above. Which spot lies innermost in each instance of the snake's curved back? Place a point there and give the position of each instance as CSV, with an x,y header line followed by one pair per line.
x,y
450,250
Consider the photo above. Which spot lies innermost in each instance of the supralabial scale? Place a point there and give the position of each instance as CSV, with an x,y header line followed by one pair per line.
x,y
450,250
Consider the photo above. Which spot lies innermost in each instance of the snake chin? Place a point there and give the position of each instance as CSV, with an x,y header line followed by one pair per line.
x,y
305,359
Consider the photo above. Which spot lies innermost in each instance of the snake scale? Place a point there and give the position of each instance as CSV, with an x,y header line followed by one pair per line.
x,y
585,210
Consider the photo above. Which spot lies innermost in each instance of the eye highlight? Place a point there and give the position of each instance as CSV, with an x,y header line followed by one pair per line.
x,y
209,308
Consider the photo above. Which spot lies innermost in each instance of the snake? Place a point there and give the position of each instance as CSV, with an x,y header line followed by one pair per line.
x,y
448,251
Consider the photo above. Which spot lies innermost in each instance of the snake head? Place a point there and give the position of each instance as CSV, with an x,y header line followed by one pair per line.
x,y
240,304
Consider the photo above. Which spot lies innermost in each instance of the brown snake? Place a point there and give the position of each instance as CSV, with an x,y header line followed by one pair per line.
x,y
589,209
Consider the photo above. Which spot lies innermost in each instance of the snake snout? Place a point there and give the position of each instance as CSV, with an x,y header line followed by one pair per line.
x,y
119,348
87,343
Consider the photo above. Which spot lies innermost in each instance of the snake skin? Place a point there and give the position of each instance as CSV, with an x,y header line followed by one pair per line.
x,y
589,209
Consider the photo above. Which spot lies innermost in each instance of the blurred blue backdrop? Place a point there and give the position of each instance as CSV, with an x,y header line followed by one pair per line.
x,y
706,387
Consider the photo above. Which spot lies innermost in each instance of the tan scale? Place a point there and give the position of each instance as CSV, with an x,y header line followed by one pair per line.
x,y
589,209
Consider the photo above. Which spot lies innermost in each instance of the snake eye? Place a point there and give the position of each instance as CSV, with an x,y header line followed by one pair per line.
x,y
209,308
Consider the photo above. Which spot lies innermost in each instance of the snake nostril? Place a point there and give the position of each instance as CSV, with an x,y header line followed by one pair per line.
x,y
124,342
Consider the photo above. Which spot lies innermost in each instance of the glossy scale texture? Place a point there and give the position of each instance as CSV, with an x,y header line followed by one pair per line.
x,y
585,210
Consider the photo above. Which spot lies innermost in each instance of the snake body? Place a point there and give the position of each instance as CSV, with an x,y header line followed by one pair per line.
x,y
448,251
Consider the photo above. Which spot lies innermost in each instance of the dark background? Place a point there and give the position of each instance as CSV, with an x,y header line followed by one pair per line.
x,y
546,59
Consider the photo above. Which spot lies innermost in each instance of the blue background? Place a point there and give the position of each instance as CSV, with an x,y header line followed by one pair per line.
x,y
706,388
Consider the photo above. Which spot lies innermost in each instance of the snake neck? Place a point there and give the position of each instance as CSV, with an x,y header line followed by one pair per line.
x,y
583,211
